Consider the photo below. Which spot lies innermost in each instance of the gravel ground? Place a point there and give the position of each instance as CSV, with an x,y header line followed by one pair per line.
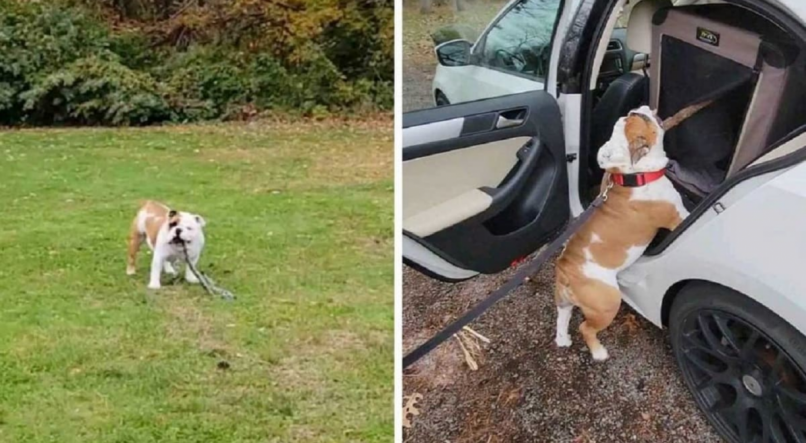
x,y
527,389
417,80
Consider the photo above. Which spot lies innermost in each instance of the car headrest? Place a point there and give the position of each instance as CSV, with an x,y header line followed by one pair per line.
x,y
639,28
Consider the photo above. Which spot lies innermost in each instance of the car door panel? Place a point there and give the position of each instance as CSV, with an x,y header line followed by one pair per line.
x,y
491,82
446,175
448,213
468,83
484,182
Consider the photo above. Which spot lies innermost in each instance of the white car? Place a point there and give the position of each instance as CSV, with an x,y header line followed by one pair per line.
x,y
498,173
470,71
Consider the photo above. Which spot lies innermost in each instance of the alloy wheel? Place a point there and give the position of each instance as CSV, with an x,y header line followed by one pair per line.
x,y
749,387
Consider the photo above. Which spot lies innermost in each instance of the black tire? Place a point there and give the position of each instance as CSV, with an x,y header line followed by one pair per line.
x,y
440,99
743,364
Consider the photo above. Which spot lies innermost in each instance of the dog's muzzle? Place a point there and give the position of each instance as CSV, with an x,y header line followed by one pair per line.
x,y
177,239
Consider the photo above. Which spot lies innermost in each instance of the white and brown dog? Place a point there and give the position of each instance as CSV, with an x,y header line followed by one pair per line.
x,y
167,233
641,201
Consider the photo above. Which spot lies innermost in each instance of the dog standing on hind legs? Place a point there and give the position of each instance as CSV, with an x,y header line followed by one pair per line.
x,y
640,201
168,234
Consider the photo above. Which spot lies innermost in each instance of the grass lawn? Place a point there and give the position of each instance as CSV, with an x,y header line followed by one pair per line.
x,y
299,227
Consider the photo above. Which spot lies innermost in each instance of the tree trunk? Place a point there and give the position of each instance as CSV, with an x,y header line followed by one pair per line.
x,y
460,5
425,6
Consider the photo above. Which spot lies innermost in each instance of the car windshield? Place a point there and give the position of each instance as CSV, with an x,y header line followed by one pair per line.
x,y
520,40
529,24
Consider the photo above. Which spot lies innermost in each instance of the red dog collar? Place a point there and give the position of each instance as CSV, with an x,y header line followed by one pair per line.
x,y
636,180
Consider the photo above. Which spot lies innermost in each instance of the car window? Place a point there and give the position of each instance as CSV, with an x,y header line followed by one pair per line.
x,y
520,41
444,44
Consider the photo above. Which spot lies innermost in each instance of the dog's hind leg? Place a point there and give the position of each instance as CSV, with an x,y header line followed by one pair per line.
x,y
599,303
135,239
564,310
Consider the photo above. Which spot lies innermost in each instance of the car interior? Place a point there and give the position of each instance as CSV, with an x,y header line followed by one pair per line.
x,y
670,57
495,170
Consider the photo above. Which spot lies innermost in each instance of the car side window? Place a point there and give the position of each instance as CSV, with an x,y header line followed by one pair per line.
x,y
520,42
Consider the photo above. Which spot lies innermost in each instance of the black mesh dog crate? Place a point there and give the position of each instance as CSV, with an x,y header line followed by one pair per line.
x,y
746,64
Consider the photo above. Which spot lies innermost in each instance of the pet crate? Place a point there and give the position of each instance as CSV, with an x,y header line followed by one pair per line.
x,y
747,65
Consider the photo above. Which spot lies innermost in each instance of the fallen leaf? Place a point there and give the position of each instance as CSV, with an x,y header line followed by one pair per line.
x,y
410,408
584,437
631,323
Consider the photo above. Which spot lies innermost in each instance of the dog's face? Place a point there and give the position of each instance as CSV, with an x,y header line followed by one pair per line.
x,y
184,227
636,144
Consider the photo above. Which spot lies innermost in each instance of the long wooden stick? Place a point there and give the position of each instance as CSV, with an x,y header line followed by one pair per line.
x,y
468,358
479,336
471,342
683,114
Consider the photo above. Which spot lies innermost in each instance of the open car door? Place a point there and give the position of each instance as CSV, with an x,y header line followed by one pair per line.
x,y
484,184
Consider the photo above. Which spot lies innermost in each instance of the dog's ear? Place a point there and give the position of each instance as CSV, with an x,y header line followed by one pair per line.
x,y
640,135
200,220
173,218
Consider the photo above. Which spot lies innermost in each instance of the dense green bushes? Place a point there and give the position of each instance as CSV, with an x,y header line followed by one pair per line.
x,y
95,90
124,63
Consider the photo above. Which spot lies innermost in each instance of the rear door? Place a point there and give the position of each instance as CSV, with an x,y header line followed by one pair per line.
x,y
484,183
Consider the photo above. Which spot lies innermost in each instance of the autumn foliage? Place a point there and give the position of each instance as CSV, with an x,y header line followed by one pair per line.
x,y
126,62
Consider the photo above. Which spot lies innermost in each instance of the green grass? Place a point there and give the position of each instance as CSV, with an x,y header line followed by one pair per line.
x,y
300,220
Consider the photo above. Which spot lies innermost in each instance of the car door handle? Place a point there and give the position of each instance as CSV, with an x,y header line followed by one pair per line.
x,y
504,122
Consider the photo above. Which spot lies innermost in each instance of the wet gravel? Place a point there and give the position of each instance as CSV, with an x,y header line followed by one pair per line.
x,y
527,389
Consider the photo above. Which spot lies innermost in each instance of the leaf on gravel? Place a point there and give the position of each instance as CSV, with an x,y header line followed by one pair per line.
x,y
410,408
511,396
631,323
584,437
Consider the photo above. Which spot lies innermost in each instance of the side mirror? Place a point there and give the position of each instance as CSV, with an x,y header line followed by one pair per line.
x,y
454,53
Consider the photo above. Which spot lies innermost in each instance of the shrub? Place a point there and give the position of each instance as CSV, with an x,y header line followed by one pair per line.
x,y
95,90
454,32
133,62
36,39
209,82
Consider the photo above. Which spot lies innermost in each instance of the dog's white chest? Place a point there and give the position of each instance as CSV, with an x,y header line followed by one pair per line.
x,y
660,190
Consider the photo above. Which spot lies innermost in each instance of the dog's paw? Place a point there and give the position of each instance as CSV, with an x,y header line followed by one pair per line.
x,y
600,354
563,342
169,269
153,285
130,270
190,278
